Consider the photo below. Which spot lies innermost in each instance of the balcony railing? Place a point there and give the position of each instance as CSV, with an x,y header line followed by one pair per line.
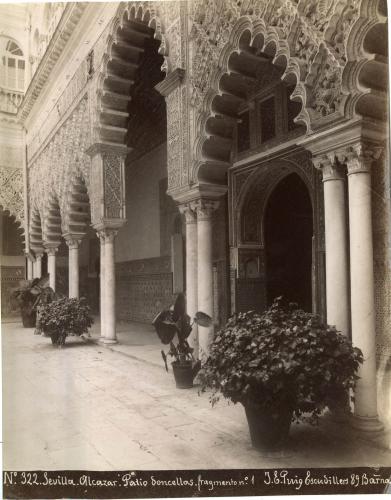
x,y
10,100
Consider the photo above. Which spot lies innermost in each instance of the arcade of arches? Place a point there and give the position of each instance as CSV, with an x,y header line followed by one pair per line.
x,y
236,151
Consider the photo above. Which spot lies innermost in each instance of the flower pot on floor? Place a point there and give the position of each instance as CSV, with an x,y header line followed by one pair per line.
x,y
183,374
29,319
268,431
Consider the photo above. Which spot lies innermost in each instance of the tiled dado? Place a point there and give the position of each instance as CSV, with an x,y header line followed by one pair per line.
x,y
10,278
144,287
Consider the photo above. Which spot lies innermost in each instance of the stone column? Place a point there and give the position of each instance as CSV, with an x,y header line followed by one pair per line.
x,y
73,280
29,268
205,209
110,335
102,286
337,289
51,251
191,270
359,160
38,265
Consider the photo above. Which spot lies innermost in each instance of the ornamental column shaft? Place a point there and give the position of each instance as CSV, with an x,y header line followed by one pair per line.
x,y
337,287
109,287
205,210
359,161
73,276
52,267
102,287
38,265
191,271
29,269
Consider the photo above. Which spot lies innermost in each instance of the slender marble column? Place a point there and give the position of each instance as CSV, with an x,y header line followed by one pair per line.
x,y
102,286
51,251
337,288
191,270
205,209
359,161
109,277
38,265
73,286
29,268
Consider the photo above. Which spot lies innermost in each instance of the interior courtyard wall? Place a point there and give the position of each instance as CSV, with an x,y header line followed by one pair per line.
x,y
143,249
139,238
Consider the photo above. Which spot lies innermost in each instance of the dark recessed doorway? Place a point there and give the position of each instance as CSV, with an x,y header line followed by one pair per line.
x,y
288,229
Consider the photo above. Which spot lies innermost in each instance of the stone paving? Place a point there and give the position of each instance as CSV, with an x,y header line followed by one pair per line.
x,y
89,407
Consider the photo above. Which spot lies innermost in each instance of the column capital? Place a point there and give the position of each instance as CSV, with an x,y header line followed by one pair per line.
x,y
39,254
189,212
51,250
73,241
359,157
107,235
204,208
328,165
29,256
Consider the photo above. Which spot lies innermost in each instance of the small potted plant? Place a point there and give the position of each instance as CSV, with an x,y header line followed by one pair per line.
x,y
28,296
64,317
282,365
176,322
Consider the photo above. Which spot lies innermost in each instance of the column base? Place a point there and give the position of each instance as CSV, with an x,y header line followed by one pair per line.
x,y
367,424
110,341
339,415
101,339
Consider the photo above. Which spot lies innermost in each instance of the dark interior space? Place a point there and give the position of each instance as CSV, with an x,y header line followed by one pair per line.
x,y
288,229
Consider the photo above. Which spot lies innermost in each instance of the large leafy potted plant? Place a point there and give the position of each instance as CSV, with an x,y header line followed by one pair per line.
x,y
64,317
281,365
176,323
28,296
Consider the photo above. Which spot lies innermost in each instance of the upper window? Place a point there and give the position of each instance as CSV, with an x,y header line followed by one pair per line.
x,y
12,67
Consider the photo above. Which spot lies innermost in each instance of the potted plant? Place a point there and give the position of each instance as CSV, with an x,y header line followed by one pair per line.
x,y
281,365
176,322
29,295
64,317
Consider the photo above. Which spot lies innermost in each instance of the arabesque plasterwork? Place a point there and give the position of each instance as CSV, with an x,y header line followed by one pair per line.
x,y
321,43
317,43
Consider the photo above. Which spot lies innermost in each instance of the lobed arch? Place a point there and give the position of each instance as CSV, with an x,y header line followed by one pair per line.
x,y
252,42
76,208
36,239
134,27
52,227
365,75
329,53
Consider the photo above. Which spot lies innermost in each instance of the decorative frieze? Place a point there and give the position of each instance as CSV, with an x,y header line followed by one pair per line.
x,y
70,18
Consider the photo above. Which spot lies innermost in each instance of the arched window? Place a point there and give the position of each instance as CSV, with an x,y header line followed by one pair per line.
x,y
12,65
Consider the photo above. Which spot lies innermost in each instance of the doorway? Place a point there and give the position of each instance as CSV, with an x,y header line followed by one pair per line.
x,y
288,231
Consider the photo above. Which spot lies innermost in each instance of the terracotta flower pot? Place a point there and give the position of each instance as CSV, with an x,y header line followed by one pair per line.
x,y
183,374
268,431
